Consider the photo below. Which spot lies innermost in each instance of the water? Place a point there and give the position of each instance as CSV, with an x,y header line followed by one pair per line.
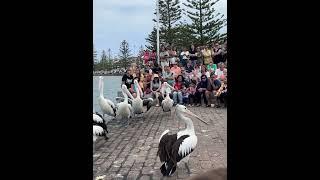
x,y
112,84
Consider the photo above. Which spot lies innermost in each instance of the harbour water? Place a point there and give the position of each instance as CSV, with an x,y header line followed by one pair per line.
x,y
112,84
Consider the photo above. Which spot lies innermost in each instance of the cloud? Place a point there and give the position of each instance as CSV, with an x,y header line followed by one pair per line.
x,y
116,20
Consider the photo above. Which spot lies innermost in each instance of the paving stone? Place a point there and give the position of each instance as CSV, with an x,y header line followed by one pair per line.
x,y
131,151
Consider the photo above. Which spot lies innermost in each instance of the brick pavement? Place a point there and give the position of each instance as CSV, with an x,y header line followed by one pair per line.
x,y
130,153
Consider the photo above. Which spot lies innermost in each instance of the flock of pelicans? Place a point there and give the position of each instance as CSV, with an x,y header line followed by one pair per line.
x,y
173,149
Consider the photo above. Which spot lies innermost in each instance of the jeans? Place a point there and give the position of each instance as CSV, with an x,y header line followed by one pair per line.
x,y
177,95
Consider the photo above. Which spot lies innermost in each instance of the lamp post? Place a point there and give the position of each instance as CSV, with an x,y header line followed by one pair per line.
x,y
158,45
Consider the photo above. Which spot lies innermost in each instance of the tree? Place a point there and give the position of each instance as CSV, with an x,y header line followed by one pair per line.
x,y
170,13
206,24
125,53
184,36
152,39
95,59
103,59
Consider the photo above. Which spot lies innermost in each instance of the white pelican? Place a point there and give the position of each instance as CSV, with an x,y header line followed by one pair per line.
x,y
98,120
167,103
173,148
124,109
107,106
137,103
97,131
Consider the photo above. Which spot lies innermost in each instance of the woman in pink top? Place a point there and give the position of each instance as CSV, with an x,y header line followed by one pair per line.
x,y
153,55
146,56
176,70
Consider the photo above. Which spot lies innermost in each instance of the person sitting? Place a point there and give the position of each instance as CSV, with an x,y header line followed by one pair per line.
x,y
176,70
185,94
211,67
201,90
189,67
204,71
127,79
155,87
177,94
191,90
222,93
185,76
213,86
156,69
168,76
219,71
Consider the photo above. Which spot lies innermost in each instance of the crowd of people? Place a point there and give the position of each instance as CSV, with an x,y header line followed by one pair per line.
x,y
197,74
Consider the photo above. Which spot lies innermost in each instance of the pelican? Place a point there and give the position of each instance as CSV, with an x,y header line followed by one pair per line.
x,y
124,109
98,120
107,106
176,147
167,103
138,103
97,131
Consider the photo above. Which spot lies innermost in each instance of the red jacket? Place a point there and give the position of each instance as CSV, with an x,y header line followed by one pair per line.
x,y
178,85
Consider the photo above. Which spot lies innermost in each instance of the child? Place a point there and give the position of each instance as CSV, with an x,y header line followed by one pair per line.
x,y
191,90
185,94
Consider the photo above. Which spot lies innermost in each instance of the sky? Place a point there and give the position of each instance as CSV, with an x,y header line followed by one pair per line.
x,y
130,20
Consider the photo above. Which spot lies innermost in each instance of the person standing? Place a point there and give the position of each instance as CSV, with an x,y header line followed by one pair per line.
x,y
193,55
207,55
185,57
217,54
164,57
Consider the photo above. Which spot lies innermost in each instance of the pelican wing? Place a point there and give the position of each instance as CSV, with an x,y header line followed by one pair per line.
x,y
97,118
122,99
184,146
97,130
111,103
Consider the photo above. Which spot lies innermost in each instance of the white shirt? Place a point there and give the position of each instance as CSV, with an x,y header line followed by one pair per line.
x,y
218,73
184,54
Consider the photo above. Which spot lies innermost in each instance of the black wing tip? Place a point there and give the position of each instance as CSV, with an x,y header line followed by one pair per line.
x,y
166,171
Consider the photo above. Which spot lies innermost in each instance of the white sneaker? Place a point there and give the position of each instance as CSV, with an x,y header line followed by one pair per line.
x,y
212,105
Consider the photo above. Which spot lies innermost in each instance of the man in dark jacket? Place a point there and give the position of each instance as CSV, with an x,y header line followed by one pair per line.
x,y
207,88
